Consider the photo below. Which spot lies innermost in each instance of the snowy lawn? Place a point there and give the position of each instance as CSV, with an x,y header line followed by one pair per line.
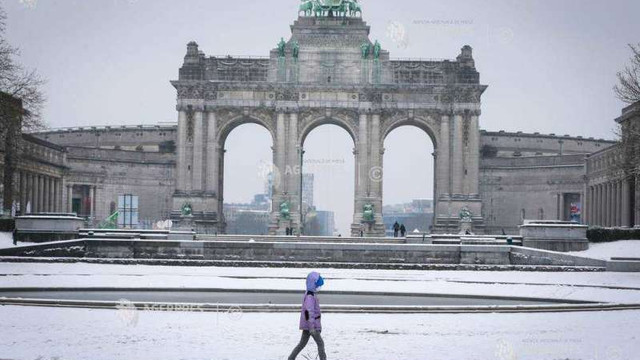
x,y
6,240
60,333
605,251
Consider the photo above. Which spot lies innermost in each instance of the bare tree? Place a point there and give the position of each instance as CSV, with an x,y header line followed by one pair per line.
x,y
628,87
21,101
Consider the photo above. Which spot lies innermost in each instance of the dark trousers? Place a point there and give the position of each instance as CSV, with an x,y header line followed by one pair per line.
x,y
303,342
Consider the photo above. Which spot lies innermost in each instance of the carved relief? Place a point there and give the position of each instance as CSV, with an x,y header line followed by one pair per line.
x,y
190,125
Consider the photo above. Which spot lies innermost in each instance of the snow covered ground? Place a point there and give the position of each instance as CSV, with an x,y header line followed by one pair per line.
x,y
66,333
61,333
605,251
6,240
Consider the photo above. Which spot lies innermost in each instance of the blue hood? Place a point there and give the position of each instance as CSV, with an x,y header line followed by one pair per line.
x,y
314,280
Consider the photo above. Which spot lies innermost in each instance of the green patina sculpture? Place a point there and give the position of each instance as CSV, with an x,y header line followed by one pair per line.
x,y
465,214
368,213
295,49
330,8
376,50
281,47
186,209
365,48
285,213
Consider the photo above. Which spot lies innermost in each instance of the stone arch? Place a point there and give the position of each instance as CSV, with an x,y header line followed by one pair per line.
x,y
225,128
425,124
345,124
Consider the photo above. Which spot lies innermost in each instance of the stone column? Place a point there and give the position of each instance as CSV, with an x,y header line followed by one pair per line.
x,y
293,168
457,156
52,194
626,203
473,160
69,198
443,168
181,161
363,164
601,207
60,195
609,196
91,195
560,207
212,153
40,193
33,185
23,192
198,152
375,173
618,203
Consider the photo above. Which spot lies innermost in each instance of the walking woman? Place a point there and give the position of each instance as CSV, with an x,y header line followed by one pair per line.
x,y
310,317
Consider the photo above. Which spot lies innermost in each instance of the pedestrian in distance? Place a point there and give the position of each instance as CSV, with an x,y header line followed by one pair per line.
x,y
310,323
396,228
403,230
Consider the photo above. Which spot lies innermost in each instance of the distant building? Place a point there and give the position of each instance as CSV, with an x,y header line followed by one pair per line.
x,y
320,223
248,219
307,190
416,215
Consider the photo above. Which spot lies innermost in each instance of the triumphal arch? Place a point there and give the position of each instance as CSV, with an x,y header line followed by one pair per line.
x,y
328,71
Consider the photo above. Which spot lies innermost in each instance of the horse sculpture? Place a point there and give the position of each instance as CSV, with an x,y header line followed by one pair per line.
x,y
306,7
354,8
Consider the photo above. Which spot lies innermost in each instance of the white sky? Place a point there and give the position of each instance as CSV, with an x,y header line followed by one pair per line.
x,y
550,67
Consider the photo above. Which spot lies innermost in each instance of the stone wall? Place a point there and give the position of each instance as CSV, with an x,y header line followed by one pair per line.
x,y
515,189
150,176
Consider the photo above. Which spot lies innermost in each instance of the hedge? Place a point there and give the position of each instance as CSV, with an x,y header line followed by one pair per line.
x,y
597,235
7,225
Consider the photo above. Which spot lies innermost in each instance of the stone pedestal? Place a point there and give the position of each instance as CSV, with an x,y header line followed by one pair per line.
x,y
466,227
561,236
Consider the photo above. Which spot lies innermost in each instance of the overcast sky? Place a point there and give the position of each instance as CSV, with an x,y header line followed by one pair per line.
x,y
550,67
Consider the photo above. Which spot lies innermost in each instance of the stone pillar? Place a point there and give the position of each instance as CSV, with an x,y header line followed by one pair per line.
x,y
560,215
69,198
294,154
280,195
457,155
198,152
23,192
626,204
473,159
601,207
610,204
60,195
618,203
52,192
443,168
33,186
40,193
212,157
91,195
375,174
181,161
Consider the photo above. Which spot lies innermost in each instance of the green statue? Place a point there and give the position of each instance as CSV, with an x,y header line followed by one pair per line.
x,y
186,209
281,47
306,7
465,214
295,49
367,213
376,50
285,213
365,48
354,8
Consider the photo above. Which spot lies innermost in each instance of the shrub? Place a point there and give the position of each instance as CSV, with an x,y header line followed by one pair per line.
x,y
597,234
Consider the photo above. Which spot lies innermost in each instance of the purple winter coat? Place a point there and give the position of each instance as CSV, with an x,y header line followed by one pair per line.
x,y
310,313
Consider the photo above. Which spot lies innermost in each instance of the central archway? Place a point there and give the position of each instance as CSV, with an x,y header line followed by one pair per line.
x,y
245,171
409,179
328,172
